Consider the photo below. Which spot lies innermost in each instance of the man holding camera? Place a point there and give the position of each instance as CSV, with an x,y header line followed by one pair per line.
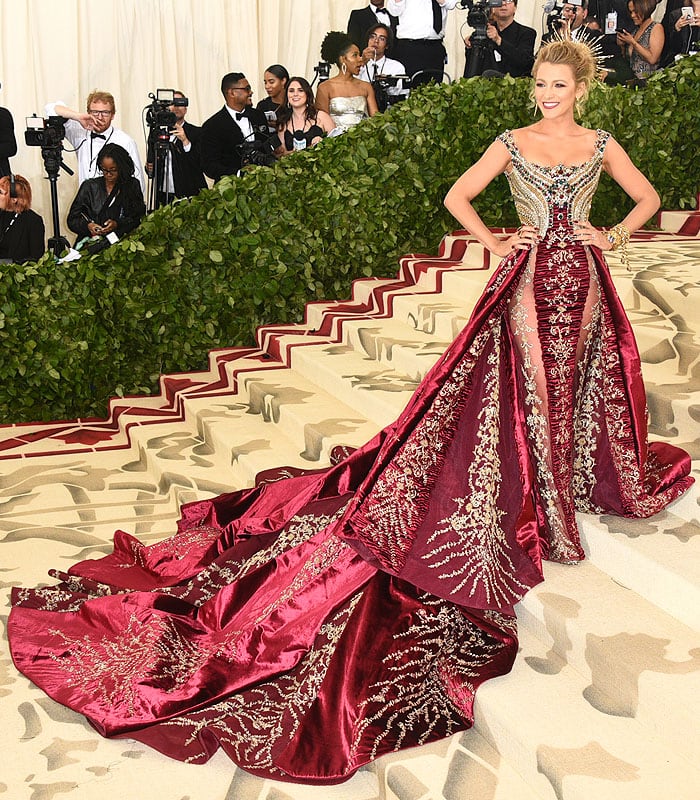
x,y
378,68
89,132
510,49
179,168
236,127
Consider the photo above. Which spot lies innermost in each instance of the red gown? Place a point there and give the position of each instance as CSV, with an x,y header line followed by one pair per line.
x,y
322,619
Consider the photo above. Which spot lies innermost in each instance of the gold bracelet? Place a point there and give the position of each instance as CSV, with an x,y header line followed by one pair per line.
x,y
619,237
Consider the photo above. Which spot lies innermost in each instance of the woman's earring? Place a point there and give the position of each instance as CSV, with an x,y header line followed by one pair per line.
x,y
344,68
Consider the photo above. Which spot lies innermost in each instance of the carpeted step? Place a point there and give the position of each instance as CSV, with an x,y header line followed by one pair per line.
x,y
563,746
640,662
658,558
462,767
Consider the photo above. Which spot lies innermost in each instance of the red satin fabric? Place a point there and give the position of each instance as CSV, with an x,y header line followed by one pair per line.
x,y
320,620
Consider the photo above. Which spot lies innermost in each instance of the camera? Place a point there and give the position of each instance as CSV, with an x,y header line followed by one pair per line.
x,y
258,149
478,16
322,71
46,133
159,118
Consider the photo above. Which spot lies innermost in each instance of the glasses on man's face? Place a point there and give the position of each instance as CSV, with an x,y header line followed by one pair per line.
x,y
94,113
245,89
379,38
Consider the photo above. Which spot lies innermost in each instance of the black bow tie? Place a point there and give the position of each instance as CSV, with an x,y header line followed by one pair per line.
x,y
98,136
240,115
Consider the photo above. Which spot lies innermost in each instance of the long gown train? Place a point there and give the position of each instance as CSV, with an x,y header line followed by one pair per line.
x,y
324,618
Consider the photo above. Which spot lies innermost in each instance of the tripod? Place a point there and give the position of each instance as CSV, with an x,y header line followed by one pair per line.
x,y
475,64
52,162
159,194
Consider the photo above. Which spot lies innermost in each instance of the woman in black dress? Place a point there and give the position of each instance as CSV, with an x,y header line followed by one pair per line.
x,y
300,124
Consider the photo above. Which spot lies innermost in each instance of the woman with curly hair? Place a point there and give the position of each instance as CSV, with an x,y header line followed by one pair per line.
x,y
346,98
111,203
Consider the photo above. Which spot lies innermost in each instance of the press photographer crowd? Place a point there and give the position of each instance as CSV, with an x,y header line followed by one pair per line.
x,y
389,48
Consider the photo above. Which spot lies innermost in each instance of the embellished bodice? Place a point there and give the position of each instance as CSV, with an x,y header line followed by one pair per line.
x,y
347,111
552,197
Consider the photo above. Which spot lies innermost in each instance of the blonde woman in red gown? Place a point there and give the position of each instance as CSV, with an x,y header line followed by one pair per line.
x,y
322,619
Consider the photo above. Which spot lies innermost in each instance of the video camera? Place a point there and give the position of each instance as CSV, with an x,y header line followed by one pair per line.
x,y
322,72
47,133
478,16
159,118
258,150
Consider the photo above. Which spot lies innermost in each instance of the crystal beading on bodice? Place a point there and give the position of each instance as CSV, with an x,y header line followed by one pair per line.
x,y
347,111
538,190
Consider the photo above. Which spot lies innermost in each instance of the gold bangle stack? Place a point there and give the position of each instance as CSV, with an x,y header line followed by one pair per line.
x,y
619,237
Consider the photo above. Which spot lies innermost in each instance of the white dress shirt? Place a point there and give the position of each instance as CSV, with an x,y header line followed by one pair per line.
x,y
243,123
88,148
385,66
416,18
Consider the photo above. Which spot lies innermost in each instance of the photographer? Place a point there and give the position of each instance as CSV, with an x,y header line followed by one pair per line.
x,y
510,49
226,134
89,132
378,65
179,170
682,27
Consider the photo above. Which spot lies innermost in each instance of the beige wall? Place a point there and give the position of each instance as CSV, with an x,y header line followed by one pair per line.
x,y
53,49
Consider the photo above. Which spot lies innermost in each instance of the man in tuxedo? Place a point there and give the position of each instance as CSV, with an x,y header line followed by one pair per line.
x,y
179,168
510,48
223,135
361,20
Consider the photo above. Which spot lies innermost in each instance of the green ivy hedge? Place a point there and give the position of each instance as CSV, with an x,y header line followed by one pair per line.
x,y
205,273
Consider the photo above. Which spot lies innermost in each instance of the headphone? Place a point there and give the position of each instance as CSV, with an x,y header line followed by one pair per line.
x,y
13,185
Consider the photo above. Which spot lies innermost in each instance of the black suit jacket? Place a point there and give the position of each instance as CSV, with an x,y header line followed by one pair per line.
x,y
221,140
8,143
24,239
187,167
359,23
516,50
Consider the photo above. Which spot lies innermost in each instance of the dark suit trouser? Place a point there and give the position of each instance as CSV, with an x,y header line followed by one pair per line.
x,y
421,54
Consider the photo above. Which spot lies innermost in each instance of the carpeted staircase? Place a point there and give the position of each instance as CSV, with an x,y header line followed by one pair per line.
x,y
604,699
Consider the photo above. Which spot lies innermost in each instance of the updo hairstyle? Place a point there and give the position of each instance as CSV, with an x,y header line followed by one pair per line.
x,y
577,55
335,44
